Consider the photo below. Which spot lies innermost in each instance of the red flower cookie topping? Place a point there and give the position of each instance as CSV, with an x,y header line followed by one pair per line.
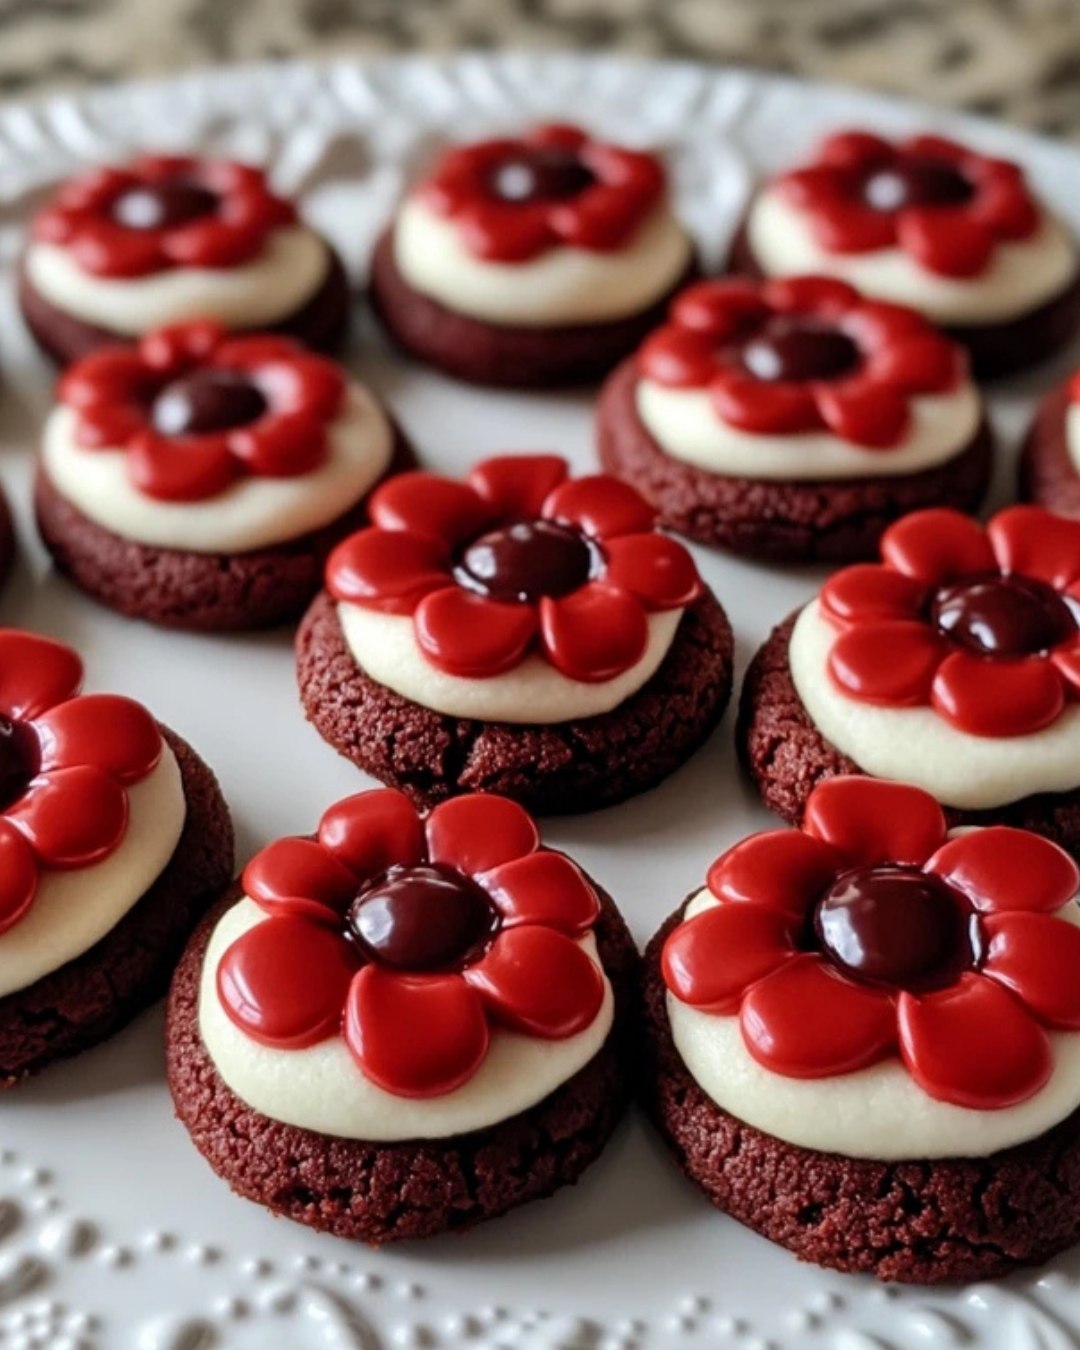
x,y
945,205
412,937
802,354
870,933
515,199
163,211
981,624
517,558
196,409
66,762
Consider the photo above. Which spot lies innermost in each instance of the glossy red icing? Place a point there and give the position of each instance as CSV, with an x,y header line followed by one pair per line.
x,y
195,410
513,200
982,625
484,618
945,205
965,1002
412,936
160,212
786,357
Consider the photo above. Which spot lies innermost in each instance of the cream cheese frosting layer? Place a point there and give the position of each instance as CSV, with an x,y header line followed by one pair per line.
x,y
322,1088
253,512
686,426
1021,275
1072,434
563,285
534,692
878,1112
255,294
73,910
917,746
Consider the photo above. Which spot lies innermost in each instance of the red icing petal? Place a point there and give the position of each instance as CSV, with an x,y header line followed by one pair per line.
x,y
786,870
18,876
950,242
870,821
887,661
478,832
678,358
879,325
415,1035
424,503
1010,698
1036,543
518,485
1004,869
72,817
372,831
923,364
282,445
826,297
1066,661
181,469
285,981
868,591
856,149
106,428
1005,208
718,309
937,545
302,382
601,506
248,352
505,232
863,411
843,226
538,981
177,347
389,570
601,218
105,249
936,147
543,888
471,636
35,674
973,1044
655,568
106,377
110,732
213,242
594,634
299,877
1038,958
711,960
765,408
806,1021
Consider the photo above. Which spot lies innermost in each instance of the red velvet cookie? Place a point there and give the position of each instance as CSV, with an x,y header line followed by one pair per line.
x,y
121,251
115,840
522,633
540,260
794,420
348,1060
1048,472
930,223
200,480
861,1039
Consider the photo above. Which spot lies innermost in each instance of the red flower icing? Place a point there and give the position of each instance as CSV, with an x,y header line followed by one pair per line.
x,y
979,624
515,199
802,354
163,211
412,937
945,205
65,765
196,409
518,558
870,933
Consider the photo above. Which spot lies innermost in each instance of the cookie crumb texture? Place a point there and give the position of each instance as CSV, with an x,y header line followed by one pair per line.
x,y
929,1221
389,1192
93,996
557,769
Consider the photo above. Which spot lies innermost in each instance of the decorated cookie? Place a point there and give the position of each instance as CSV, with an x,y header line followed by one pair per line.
x,y
1050,459
539,260
953,664
114,840
928,223
862,1038
793,419
163,240
421,1019
521,632
199,480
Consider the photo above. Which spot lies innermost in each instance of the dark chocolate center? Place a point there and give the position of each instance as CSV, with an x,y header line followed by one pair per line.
x,y
897,926
426,917
207,401
20,758
158,206
916,182
1007,616
544,173
794,350
525,561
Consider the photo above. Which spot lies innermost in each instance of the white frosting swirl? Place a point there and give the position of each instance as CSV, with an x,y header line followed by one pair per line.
x,y
254,294
73,910
685,425
879,1112
253,512
322,1088
534,692
918,746
1021,275
562,285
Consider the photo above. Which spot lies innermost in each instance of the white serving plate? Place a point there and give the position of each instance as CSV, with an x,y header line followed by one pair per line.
x,y
114,1234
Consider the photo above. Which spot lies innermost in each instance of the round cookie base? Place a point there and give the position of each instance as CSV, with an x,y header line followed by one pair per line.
x,y
1047,474
923,1221
996,349
840,520
321,323
556,769
205,592
502,355
786,756
380,1192
92,996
